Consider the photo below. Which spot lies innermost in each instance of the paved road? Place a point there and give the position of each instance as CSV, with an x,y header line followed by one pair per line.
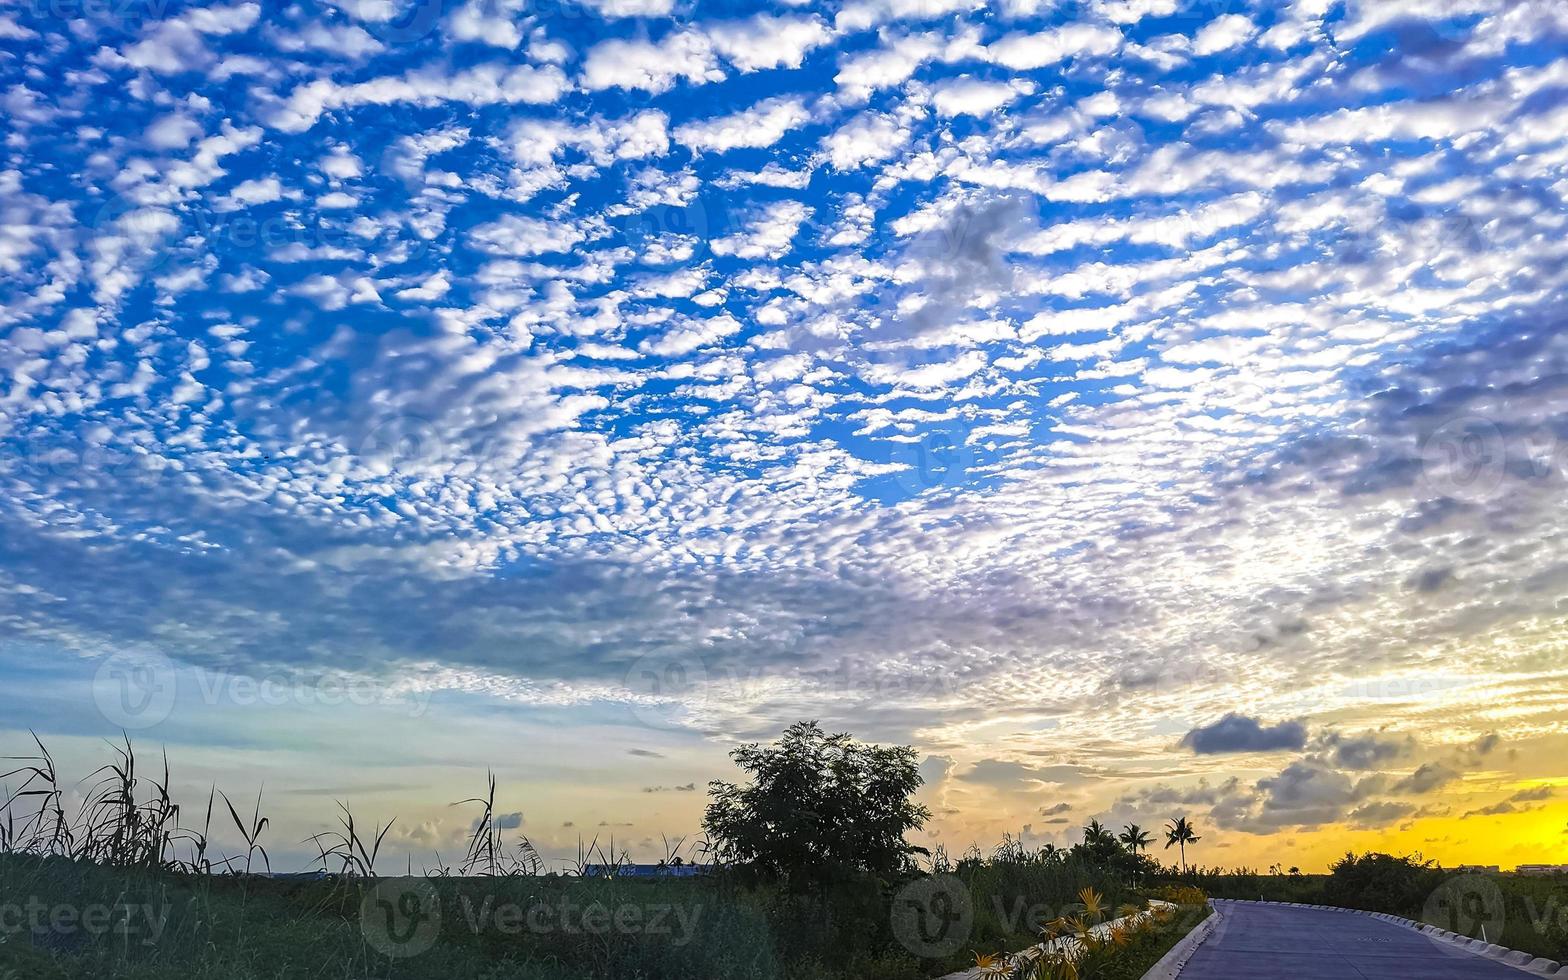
x,y
1265,942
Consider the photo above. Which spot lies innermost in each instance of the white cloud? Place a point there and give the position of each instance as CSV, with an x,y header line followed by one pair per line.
x,y
897,59
172,132
1133,11
932,375
487,84
868,138
679,284
344,40
770,235
762,125
432,288
498,24
687,335
1067,336
341,164
1223,33
652,67
766,41
1173,231
176,44
859,15
631,8
967,96
538,142
521,236
1023,52
259,190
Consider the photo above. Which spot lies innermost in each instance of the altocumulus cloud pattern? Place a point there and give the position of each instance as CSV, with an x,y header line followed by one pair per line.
x,y
1125,350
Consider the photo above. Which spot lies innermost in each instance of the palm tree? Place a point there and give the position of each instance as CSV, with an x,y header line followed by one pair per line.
x,y
1096,836
1135,838
1099,845
1179,832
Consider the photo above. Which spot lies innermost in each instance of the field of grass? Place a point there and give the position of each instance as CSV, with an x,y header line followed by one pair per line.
x,y
121,883
164,925
70,920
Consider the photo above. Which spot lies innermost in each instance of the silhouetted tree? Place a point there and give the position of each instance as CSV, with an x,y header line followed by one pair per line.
x,y
818,804
1099,845
1135,838
1180,832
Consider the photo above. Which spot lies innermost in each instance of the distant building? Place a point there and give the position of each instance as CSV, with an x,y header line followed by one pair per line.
x,y
1480,868
644,870
1542,869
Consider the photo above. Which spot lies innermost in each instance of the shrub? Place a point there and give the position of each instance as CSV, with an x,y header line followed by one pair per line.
x,y
1182,895
1381,882
819,805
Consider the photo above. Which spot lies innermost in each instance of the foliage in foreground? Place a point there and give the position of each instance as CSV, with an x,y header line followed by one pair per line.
x,y
172,907
1082,945
818,805
162,925
164,905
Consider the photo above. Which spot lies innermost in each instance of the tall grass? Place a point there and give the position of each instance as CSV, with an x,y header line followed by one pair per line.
x,y
487,855
124,820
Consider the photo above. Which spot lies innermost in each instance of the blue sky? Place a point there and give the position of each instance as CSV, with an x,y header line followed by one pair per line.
x,y
1034,382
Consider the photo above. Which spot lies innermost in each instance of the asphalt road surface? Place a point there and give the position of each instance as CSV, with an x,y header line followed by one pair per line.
x,y
1263,942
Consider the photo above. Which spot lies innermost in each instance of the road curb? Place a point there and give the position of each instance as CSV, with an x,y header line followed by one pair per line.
x,y
1538,966
1170,965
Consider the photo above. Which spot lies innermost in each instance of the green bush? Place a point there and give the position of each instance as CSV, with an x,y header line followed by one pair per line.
x,y
1382,883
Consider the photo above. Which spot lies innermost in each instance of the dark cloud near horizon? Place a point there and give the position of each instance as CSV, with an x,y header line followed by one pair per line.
x,y
1369,750
1427,777
1239,733
1007,775
501,821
